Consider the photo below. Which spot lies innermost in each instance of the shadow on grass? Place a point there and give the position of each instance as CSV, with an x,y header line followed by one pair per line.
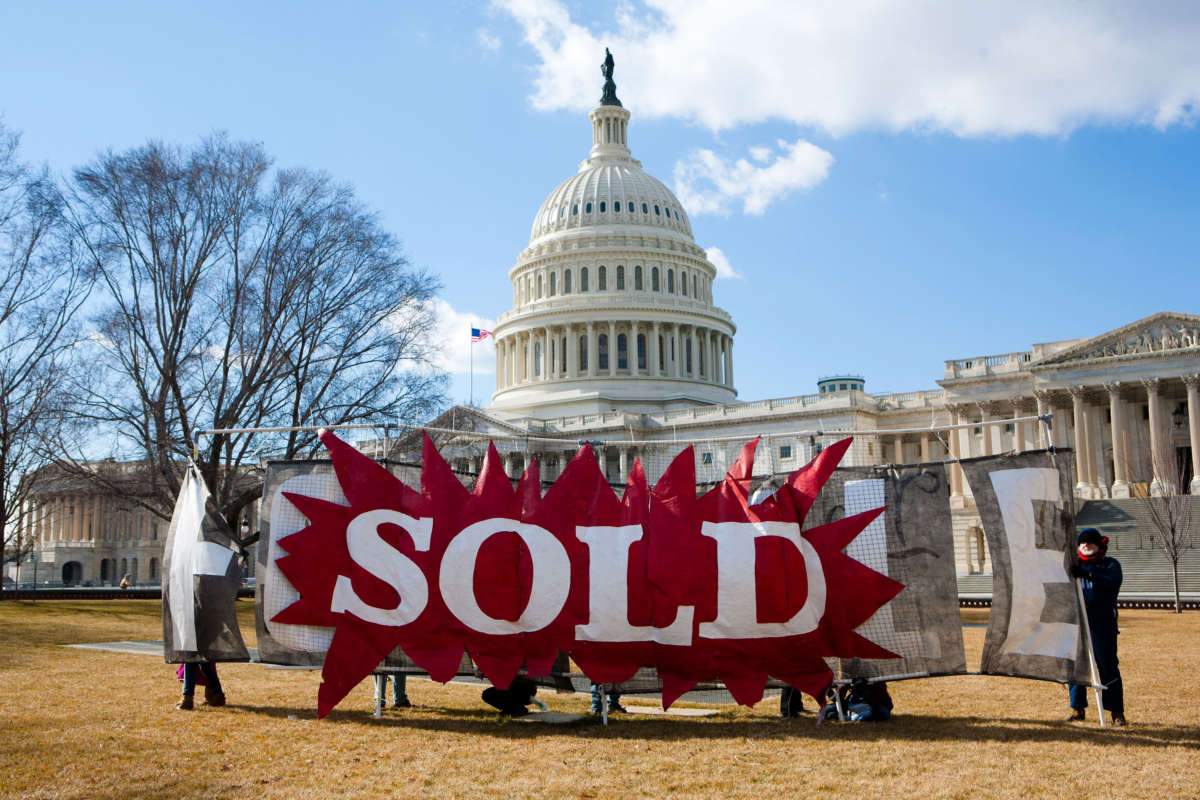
x,y
909,728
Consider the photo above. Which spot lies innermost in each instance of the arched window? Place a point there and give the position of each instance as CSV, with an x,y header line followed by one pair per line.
x,y
683,282
641,351
574,209
645,209
662,353
602,204
583,280
670,281
553,283
567,282
153,569
601,279
688,353
539,287
588,208
620,278
657,213
562,356
622,351
602,351
637,278
654,279
583,365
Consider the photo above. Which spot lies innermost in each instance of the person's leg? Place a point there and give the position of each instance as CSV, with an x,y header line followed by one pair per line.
x,y
496,698
1079,701
213,695
1113,696
186,703
614,702
400,690
595,709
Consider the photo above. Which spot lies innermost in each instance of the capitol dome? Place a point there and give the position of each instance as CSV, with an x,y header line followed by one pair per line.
x,y
612,298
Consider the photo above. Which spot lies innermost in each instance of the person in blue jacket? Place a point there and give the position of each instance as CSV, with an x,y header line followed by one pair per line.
x,y
1100,577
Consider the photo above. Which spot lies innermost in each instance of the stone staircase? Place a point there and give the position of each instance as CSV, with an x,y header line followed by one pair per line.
x,y
1132,536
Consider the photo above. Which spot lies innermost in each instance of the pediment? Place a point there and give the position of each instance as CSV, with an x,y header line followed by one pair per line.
x,y
1157,334
471,420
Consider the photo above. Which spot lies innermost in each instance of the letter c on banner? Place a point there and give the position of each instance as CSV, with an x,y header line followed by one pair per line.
x,y
551,576
372,553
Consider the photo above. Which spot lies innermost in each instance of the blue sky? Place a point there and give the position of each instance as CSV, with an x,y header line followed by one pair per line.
x,y
897,187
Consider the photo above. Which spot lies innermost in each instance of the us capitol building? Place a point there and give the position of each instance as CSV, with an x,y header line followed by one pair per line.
x,y
614,338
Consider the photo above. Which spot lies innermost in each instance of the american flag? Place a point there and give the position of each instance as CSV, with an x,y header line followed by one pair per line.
x,y
478,335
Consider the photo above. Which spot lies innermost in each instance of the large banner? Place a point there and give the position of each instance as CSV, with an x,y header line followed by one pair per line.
x,y
698,588
1026,506
912,542
201,577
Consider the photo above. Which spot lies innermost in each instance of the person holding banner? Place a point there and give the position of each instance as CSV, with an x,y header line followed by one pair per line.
x,y
1100,578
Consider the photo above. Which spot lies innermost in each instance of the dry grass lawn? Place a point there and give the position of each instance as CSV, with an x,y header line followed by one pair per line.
x,y
78,723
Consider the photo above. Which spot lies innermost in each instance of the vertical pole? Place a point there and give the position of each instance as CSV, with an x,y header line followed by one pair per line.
x,y
471,358
1087,638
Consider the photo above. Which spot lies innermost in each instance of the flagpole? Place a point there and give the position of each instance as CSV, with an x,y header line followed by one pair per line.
x,y
471,345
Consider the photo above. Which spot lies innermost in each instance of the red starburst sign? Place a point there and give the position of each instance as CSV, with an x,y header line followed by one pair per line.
x,y
700,588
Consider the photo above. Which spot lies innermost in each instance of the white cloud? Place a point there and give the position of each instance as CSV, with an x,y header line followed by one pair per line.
x,y
971,68
488,41
708,183
453,334
721,262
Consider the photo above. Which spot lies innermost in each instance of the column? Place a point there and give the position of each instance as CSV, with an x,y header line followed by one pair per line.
x,y
1158,463
612,348
1192,382
591,349
677,346
623,462
633,348
925,459
652,352
572,352
709,362
987,413
1081,444
527,338
898,448
98,519
547,362
956,475
1018,427
1096,452
727,364
1043,407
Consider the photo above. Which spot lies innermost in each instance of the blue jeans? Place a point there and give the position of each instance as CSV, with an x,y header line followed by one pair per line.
x,y
399,684
614,698
1112,698
210,674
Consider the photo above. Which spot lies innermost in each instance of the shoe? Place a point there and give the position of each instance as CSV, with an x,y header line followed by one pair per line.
x,y
1077,715
213,698
403,702
616,708
1118,721
594,709
185,703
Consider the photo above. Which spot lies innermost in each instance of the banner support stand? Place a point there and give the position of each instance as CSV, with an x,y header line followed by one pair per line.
x,y
1087,633
603,703
380,694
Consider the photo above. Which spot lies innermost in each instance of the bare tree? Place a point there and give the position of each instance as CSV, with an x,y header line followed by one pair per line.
x,y
1173,516
41,287
233,297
